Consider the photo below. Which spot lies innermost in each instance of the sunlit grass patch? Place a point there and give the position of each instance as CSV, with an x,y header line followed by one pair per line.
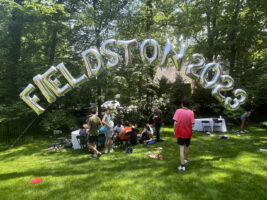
x,y
231,168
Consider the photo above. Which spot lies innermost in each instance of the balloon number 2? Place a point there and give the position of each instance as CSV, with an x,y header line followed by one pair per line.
x,y
216,81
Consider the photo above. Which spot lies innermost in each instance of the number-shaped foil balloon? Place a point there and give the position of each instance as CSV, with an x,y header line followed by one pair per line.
x,y
193,69
216,91
204,75
240,99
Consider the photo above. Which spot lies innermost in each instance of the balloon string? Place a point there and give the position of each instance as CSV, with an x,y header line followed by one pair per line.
x,y
25,130
29,125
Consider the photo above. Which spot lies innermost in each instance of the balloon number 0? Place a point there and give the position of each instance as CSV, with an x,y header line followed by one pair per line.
x,y
219,82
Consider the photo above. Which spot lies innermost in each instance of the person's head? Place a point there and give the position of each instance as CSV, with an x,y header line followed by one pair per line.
x,y
119,123
94,110
107,110
156,109
136,126
185,103
85,126
147,125
126,123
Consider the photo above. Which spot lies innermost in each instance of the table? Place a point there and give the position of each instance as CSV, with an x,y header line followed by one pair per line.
x,y
198,124
75,142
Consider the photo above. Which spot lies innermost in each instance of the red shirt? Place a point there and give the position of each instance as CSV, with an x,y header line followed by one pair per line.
x,y
184,118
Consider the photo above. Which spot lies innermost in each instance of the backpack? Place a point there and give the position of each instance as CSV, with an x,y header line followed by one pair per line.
x,y
129,150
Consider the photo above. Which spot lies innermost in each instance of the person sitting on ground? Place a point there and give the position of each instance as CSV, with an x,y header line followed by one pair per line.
x,y
243,120
116,131
125,133
135,132
94,123
146,135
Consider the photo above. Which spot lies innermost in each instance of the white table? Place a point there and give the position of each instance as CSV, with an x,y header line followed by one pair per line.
x,y
75,142
198,124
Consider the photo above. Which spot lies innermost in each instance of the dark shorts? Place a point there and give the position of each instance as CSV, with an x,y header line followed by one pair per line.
x,y
183,141
92,139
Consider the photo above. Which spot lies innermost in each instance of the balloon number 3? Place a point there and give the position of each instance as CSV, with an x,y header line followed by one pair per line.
x,y
218,82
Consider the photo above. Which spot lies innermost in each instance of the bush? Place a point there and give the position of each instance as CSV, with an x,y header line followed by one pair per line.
x,y
57,119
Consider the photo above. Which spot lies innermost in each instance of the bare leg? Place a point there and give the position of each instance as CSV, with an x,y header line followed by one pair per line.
x,y
106,142
110,143
242,124
92,147
186,152
182,154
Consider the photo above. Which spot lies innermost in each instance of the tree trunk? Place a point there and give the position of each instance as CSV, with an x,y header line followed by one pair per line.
x,y
14,52
232,38
53,46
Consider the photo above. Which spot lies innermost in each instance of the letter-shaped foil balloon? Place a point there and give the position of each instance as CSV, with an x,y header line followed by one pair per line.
x,y
216,92
74,82
205,72
126,46
112,54
192,69
237,101
48,94
143,50
176,58
32,102
96,69
54,84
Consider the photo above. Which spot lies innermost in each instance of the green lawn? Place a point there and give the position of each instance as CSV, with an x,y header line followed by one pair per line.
x,y
218,169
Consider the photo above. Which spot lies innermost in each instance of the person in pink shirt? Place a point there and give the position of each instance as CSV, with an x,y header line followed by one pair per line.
x,y
183,122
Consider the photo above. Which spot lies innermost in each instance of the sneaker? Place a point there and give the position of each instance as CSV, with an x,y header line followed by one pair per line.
x,y
111,150
98,154
106,150
181,168
186,162
94,156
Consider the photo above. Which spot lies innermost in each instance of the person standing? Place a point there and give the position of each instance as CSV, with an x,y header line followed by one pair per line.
x,y
108,131
94,123
243,120
183,123
158,120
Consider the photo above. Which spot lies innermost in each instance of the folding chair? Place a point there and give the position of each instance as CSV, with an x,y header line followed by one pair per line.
x,y
217,124
206,126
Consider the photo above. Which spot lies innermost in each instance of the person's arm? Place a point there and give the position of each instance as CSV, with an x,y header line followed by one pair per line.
x,y
174,126
104,121
121,132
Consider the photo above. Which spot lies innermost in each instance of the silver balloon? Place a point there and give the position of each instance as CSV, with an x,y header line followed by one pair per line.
x,y
193,69
74,82
204,74
176,58
126,45
48,94
32,102
96,69
112,54
240,99
216,92
54,84
143,51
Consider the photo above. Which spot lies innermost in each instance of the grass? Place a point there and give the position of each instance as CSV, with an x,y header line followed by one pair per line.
x,y
219,169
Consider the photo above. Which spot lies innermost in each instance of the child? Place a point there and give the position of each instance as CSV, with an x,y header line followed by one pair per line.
x,y
146,135
183,122
243,120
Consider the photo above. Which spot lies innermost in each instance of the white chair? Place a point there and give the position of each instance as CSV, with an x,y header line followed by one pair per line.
x,y
217,125
206,126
